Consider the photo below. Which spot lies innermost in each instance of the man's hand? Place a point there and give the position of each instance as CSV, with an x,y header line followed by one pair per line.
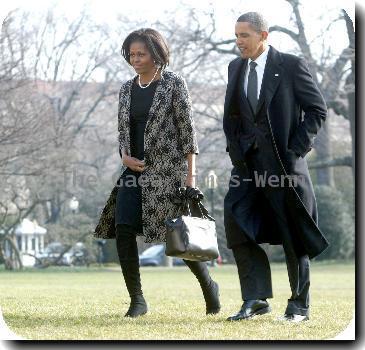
x,y
133,163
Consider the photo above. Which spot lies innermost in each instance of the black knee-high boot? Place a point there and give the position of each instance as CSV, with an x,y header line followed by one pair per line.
x,y
209,287
129,263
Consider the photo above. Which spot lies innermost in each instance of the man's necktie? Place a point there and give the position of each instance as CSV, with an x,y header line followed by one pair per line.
x,y
252,86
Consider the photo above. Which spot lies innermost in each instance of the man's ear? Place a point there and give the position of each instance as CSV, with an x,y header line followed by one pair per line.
x,y
264,35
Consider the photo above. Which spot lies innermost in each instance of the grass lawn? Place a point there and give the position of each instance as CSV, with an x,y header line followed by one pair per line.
x,y
81,303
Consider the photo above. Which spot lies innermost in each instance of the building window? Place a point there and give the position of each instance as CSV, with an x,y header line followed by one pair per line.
x,y
19,242
33,243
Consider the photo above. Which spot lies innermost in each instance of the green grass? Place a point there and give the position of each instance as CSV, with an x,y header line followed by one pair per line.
x,y
66,303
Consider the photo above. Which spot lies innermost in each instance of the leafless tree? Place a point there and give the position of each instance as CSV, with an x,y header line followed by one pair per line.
x,y
333,76
58,68
337,82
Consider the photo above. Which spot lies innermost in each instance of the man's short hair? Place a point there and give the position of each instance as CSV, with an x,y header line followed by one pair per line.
x,y
257,21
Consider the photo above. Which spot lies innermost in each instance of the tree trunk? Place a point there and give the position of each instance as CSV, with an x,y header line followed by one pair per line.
x,y
350,86
323,152
351,111
55,209
14,261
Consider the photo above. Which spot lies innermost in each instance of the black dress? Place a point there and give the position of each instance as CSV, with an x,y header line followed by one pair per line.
x,y
128,208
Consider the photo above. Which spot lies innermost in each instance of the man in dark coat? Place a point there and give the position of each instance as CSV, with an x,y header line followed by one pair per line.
x,y
272,113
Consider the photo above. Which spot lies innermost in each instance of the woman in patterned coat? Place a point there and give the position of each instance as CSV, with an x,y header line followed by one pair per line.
x,y
157,144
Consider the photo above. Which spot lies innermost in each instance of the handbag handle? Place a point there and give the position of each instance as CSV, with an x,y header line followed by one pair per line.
x,y
186,206
204,214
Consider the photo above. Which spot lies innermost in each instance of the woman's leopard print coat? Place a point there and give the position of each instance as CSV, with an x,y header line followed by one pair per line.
x,y
169,136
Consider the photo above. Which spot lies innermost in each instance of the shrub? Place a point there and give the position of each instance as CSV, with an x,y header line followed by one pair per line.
x,y
336,223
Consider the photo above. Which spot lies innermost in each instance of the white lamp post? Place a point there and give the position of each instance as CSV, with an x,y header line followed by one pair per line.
x,y
211,181
74,204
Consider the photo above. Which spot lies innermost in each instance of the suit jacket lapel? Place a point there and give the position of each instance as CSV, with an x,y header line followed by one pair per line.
x,y
241,90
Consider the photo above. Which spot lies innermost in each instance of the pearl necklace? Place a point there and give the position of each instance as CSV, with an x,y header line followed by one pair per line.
x,y
145,87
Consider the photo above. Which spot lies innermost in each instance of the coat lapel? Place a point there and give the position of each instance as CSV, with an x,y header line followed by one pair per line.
x,y
160,91
236,82
159,96
232,82
125,101
125,104
272,77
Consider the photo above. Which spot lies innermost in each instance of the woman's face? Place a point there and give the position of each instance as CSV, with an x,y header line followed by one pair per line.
x,y
140,58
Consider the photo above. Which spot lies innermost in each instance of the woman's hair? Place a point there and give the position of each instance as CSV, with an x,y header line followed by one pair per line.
x,y
154,41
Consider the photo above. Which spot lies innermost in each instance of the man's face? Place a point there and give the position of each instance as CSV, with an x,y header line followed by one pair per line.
x,y
249,42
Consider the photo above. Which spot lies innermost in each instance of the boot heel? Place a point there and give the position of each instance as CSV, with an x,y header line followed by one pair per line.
x,y
138,307
212,301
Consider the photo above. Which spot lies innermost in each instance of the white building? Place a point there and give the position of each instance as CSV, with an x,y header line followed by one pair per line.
x,y
30,239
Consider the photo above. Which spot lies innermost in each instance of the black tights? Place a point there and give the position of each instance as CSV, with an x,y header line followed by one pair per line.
x,y
126,244
128,257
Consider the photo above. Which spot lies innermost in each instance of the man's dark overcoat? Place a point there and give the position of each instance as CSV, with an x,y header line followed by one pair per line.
x,y
295,111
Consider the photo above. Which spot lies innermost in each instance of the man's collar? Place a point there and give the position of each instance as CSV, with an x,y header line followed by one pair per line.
x,y
261,60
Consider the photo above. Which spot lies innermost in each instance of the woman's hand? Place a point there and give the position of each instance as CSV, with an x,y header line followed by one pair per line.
x,y
190,181
133,163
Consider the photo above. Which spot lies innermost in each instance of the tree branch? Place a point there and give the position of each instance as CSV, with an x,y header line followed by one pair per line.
x,y
289,32
326,163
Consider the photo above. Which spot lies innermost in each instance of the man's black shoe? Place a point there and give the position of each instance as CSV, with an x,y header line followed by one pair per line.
x,y
251,308
293,318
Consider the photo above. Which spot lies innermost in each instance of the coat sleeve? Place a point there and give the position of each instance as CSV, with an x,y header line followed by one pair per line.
x,y
184,117
312,103
231,124
121,140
